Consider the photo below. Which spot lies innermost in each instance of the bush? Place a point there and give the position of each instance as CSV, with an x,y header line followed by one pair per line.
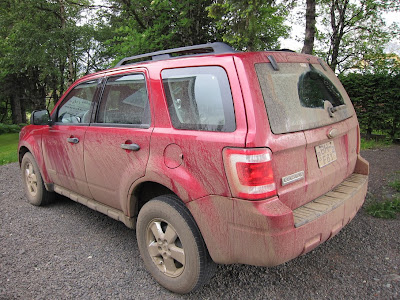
x,y
376,99
13,128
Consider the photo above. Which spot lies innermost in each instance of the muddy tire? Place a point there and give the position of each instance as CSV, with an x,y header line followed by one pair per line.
x,y
171,245
35,190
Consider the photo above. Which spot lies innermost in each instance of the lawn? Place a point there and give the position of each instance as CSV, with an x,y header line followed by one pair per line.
x,y
8,148
372,144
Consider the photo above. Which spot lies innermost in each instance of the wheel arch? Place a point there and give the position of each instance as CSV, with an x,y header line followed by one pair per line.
x,y
23,149
176,182
21,152
144,192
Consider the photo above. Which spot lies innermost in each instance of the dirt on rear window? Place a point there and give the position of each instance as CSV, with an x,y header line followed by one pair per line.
x,y
300,96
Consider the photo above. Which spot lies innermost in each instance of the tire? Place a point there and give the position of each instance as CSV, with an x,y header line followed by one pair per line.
x,y
35,190
171,245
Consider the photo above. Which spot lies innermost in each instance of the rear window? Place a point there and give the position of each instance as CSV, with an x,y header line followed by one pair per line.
x,y
199,98
302,96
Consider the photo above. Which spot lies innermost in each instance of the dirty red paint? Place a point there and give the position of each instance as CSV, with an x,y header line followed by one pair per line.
x,y
110,170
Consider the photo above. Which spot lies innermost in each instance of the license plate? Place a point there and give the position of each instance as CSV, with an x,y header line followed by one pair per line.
x,y
326,154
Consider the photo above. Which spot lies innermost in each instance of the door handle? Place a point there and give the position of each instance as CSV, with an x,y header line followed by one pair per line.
x,y
131,147
73,140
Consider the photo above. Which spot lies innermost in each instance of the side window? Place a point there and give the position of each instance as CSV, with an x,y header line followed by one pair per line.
x,y
125,101
77,105
199,98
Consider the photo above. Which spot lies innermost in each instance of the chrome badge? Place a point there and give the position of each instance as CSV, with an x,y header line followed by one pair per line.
x,y
292,178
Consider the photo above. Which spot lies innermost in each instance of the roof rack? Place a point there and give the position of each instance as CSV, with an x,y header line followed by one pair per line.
x,y
285,50
211,48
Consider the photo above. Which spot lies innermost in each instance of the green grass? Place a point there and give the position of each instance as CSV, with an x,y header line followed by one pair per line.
x,y
395,185
385,210
372,144
8,148
389,206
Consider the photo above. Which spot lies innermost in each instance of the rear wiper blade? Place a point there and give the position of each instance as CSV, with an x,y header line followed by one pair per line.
x,y
273,62
331,110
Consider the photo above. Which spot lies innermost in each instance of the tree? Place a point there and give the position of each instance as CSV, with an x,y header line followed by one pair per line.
x,y
351,30
37,47
251,24
310,27
136,27
145,26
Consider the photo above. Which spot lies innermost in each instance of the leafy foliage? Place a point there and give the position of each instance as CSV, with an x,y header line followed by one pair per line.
x,y
250,25
41,45
352,30
376,99
45,45
138,27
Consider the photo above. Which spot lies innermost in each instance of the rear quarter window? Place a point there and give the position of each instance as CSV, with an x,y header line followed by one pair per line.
x,y
199,98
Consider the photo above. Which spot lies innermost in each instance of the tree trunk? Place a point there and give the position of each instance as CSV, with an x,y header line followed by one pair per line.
x,y
5,112
337,29
16,113
61,80
310,28
23,112
71,69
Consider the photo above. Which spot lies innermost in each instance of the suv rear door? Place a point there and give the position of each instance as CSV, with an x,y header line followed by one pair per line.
x,y
199,112
117,143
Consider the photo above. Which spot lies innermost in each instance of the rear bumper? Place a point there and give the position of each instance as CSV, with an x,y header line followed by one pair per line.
x,y
268,233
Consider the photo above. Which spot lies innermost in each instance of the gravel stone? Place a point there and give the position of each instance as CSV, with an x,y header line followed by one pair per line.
x,y
67,251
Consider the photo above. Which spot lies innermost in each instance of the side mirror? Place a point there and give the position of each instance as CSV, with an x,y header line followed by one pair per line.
x,y
41,117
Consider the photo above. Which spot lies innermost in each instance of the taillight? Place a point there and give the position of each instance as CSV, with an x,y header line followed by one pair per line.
x,y
249,172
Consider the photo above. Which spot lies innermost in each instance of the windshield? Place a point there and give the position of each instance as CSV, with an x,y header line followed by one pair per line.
x,y
302,96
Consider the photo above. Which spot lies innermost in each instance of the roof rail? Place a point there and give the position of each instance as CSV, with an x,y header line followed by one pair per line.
x,y
285,50
211,48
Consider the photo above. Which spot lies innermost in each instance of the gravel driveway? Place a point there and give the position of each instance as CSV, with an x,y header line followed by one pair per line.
x,y
67,251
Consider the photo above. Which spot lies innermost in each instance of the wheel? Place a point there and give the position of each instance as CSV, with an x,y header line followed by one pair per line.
x,y
171,245
34,187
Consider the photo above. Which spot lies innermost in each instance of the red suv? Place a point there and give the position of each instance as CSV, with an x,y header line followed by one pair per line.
x,y
214,156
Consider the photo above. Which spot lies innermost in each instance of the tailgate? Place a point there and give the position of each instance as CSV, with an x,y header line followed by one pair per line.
x,y
313,125
301,177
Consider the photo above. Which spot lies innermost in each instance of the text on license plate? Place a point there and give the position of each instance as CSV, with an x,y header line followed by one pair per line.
x,y
326,154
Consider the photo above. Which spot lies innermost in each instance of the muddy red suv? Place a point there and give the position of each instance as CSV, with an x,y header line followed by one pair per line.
x,y
214,156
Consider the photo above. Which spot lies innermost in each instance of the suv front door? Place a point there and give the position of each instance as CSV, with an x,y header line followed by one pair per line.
x,y
63,142
117,143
